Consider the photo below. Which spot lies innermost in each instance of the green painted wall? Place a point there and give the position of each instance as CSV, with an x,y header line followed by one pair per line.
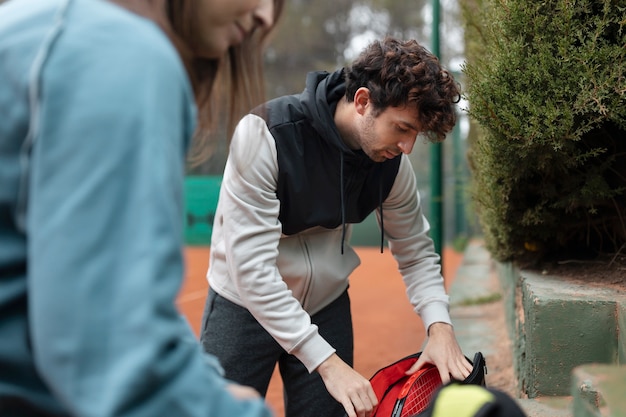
x,y
202,193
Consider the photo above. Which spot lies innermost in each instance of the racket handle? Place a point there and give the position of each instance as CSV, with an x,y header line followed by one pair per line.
x,y
397,408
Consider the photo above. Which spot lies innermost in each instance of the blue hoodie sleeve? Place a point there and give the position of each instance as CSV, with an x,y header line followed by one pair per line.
x,y
105,231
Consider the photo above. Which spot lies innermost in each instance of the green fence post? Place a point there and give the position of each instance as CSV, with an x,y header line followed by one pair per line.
x,y
436,151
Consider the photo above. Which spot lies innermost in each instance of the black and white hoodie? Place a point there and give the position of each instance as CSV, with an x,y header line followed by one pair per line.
x,y
290,192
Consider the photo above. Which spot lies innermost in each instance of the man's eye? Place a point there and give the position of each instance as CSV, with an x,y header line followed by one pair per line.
x,y
401,129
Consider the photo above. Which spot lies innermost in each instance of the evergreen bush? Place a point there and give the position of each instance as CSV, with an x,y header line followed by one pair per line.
x,y
548,89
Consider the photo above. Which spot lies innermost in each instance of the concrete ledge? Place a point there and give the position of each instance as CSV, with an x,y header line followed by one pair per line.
x,y
568,338
556,325
598,391
565,325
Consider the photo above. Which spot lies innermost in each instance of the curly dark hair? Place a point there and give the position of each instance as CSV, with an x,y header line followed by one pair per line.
x,y
399,73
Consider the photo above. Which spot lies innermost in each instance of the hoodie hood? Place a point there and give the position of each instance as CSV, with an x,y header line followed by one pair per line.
x,y
319,100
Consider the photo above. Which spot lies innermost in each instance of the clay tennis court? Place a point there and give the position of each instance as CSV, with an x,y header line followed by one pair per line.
x,y
385,326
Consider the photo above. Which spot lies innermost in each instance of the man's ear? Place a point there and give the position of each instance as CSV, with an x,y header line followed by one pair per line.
x,y
361,100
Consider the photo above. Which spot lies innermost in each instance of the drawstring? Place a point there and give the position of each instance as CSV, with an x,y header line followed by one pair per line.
x,y
343,206
380,205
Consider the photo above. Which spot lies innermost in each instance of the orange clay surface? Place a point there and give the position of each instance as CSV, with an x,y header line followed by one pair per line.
x,y
385,326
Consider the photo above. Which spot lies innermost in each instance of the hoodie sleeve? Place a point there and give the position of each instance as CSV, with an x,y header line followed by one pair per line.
x,y
407,231
245,242
105,232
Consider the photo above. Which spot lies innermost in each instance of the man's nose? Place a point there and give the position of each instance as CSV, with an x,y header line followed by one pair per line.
x,y
406,146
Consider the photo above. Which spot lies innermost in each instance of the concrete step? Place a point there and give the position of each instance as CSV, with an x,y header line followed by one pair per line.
x,y
599,391
547,406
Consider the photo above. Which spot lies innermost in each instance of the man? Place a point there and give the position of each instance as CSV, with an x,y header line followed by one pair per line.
x,y
301,169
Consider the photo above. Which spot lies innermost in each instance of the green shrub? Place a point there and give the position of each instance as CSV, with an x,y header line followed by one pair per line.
x,y
548,89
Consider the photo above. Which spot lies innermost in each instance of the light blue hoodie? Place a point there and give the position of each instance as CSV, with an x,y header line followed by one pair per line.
x,y
96,112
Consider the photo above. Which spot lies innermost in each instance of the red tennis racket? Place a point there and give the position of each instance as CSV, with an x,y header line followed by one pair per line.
x,y
417,392
402,395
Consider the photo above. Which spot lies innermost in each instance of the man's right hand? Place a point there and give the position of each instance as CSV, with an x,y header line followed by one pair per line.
x,y
348,387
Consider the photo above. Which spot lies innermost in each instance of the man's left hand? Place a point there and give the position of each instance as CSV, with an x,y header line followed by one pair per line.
x,y
443,351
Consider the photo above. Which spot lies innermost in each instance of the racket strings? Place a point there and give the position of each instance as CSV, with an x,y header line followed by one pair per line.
x,y
420,393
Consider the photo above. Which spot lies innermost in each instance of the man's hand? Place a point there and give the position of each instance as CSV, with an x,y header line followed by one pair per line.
x,y
348,387
443,351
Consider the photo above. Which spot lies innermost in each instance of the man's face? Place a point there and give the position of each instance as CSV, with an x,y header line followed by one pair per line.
x,y
389,134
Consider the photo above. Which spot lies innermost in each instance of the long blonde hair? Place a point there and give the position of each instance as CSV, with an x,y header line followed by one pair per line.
x,y
225,89
228,88
238,87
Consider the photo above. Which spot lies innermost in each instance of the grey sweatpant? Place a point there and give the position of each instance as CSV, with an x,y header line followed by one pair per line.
x,y
249,354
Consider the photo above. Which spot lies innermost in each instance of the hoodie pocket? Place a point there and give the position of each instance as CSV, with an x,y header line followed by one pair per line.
x,y
294,265
313,267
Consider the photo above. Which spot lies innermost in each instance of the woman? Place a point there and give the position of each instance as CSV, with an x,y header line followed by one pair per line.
x,y
99,101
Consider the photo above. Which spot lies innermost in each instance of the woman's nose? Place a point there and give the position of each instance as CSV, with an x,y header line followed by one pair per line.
x,y
264,14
